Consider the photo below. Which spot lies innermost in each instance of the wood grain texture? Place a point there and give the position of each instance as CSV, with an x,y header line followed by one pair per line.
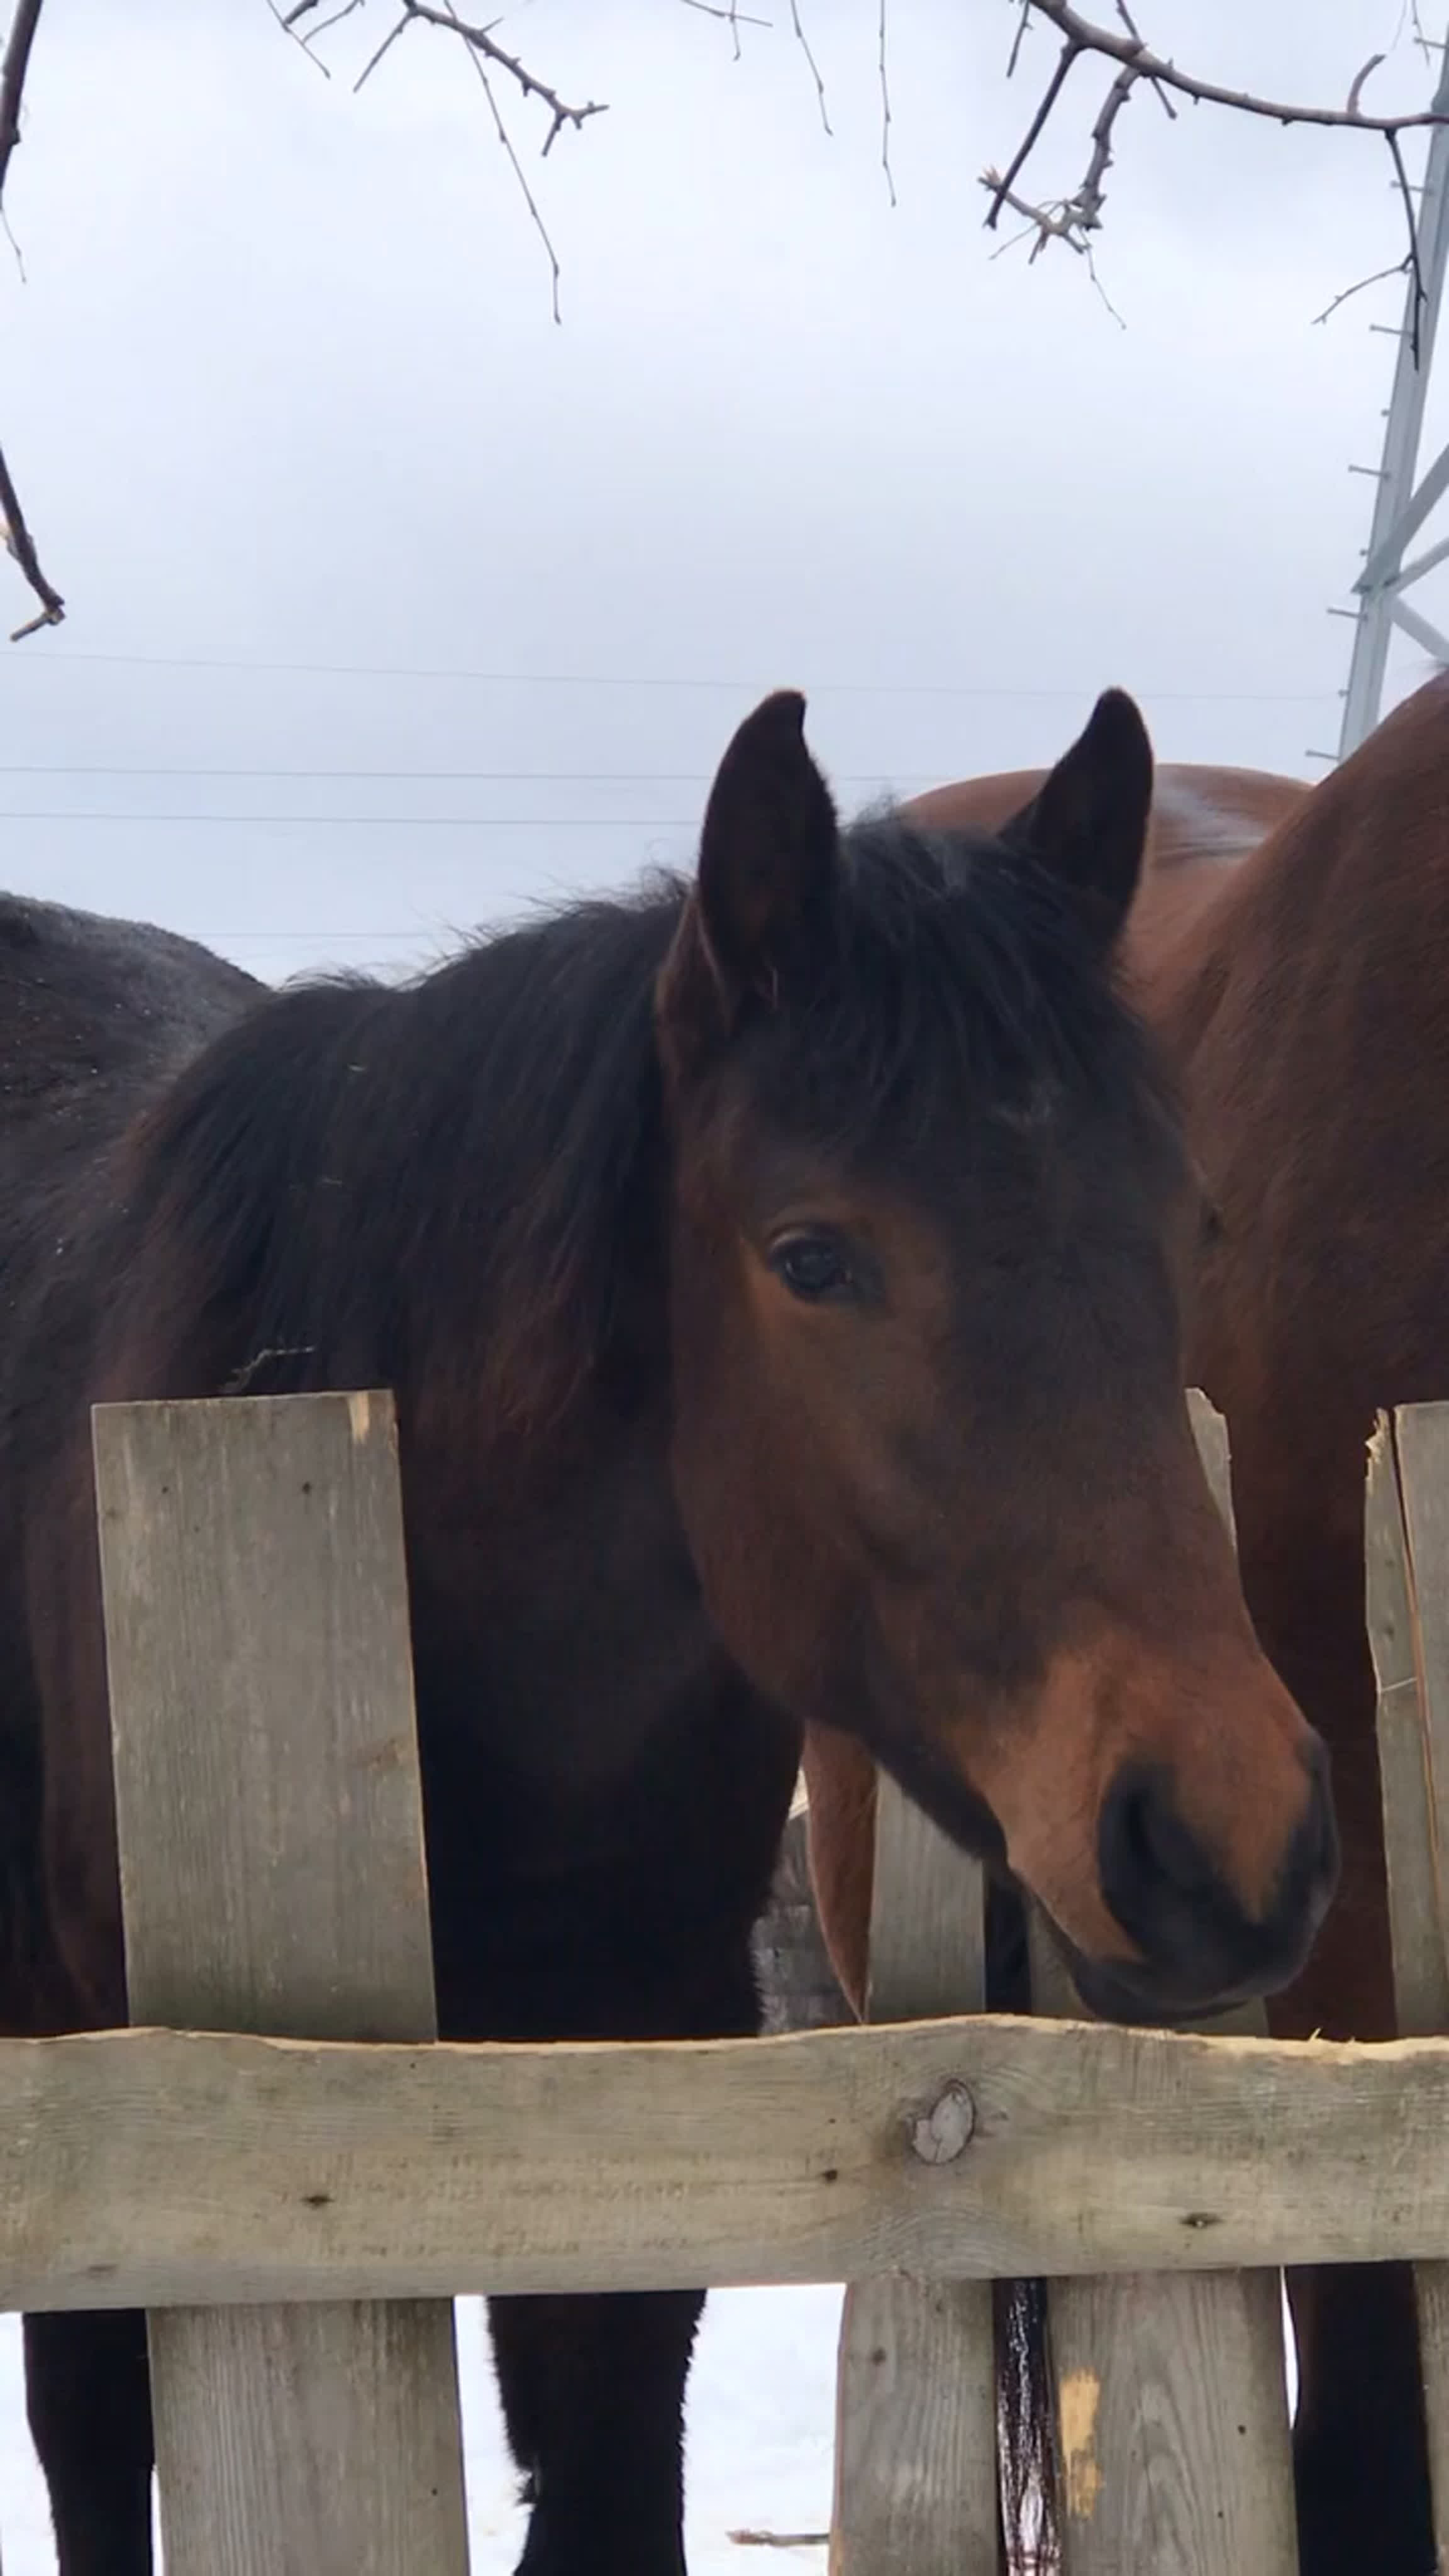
x,y
1172,2409
927,1918
157,2168
270,1828
1402,1527
1421,1447
915,2436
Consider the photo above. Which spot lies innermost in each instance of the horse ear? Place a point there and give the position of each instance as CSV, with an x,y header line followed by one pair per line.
x,y
767,859
1088,824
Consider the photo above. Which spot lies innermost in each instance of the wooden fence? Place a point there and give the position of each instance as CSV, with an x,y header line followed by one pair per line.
x,y
297,2198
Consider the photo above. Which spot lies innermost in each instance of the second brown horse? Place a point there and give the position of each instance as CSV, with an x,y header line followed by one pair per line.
x,y
1292,948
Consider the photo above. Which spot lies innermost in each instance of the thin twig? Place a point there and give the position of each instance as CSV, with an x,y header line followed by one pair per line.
x,y
1356,85
1004,184
385,48
20,544
803,41
1396,268
885,108
1417,25
284,20
732,17
314,35
1100,288
1135,32
506,139
1413,262
486,51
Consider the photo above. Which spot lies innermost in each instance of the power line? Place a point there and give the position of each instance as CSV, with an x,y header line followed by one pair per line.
x,y
518,777
394,822
672,680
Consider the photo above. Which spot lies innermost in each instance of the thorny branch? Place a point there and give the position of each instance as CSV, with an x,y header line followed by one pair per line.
x,y
16,536
1076,219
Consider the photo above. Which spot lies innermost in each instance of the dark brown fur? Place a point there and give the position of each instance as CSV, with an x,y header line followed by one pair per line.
x,y
779,1277
1303,996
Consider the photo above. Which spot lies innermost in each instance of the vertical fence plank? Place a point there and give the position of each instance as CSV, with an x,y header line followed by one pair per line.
x,y
915,2448
1407,1568
273,1880
1172,2406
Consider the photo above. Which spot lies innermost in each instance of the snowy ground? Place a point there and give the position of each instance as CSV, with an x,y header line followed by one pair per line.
x,y
761,2429
762,2398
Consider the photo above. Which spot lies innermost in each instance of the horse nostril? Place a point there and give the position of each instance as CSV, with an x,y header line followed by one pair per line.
x,y
1152,1863
1196,1938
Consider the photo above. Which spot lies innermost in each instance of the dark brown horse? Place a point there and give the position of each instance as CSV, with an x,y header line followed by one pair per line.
x,y
779,1277
1203,821
1304,1001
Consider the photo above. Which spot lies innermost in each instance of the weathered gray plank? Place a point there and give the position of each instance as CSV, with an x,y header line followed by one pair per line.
x,y
150,2169
1405,1562
273,1879
798,1985
1172,2411
915,2439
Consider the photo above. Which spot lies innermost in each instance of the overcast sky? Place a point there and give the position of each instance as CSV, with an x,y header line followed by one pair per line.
x,y
457,607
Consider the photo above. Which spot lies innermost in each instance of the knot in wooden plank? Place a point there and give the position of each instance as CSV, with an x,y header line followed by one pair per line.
x,y
938,2135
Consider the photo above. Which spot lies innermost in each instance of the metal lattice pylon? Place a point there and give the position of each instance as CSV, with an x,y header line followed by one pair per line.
x,y
1401,505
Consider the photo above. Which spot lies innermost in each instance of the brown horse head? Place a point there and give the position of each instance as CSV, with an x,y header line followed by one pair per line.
x,y
931,1225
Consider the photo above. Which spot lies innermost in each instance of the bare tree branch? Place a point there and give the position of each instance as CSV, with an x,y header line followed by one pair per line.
x,y
1075,219
885,107
1346,294
20,545
18,541
1138,58
802,40
733,17
480,64
1357,86
14,65
1412,262
490,55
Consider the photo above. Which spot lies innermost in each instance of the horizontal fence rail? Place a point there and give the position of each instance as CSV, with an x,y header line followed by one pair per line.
x,y
285,2207
157,2168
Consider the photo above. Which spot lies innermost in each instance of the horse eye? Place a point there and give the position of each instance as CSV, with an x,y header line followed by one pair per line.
x,y
1210,1225
813,1266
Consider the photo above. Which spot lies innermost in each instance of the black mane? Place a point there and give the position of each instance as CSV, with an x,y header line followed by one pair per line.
x,y
381,1184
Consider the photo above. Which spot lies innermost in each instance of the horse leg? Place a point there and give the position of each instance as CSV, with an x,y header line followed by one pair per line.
x,y
593,2398
654,1944
1359,2446
88,2391
592,2388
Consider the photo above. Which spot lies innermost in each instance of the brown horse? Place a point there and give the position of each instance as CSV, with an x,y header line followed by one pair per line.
x,y
1304,1000
1203,821
767,1269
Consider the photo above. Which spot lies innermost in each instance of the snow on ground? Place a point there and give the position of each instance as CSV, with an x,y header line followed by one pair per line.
x,y
760,2437
761,2409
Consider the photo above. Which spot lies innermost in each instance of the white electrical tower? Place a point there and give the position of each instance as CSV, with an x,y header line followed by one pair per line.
x,y
1401,505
